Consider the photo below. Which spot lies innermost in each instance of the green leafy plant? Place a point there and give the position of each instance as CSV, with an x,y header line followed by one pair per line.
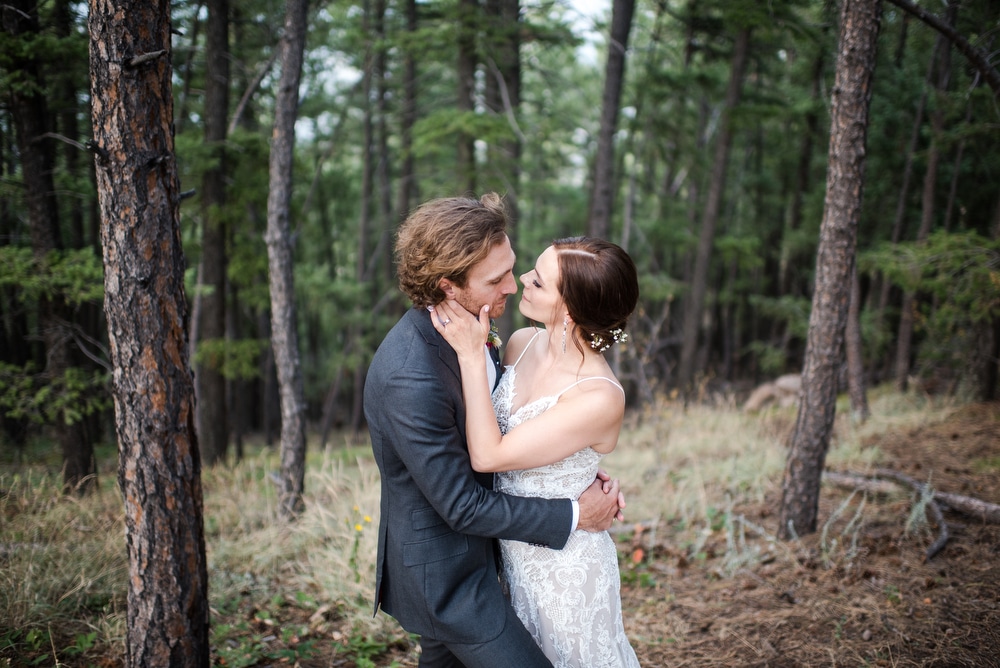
x,y
82,643
362,649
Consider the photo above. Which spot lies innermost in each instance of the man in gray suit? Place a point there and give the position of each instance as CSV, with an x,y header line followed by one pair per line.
x,y
436,570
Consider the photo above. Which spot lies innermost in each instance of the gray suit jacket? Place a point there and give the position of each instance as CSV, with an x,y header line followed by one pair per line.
x,y
436,570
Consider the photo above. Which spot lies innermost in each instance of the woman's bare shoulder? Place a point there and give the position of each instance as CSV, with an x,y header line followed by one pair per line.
x,y
517,342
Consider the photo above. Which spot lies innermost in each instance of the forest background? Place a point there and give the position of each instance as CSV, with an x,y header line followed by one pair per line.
x,y
697,140
698,143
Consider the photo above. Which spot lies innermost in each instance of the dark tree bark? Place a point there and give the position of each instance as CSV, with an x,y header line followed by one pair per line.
x,y
67,110
989,361
859,26
956,172
907,315
186,71
803,180
695,302
856,383
213,427
364,270
383,173
14,348
503,97
31,117
602,195
407,194
159,462
468,15
904,190
978,58
284,331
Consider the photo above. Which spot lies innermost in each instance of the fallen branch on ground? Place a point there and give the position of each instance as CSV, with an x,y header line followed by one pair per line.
x,y
932,507
881,483
967,505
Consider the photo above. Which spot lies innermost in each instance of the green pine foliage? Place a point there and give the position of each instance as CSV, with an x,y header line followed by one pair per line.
x,y
763,259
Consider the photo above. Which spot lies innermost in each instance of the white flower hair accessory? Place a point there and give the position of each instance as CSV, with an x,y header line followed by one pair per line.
x,y
598,343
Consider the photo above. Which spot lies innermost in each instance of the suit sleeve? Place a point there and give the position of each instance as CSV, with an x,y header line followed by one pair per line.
x,y
421,420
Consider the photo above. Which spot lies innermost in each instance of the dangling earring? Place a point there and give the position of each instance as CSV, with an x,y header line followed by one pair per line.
x,y
565,323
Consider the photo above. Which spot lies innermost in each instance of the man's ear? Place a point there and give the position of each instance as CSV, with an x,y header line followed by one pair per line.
x,y
447,287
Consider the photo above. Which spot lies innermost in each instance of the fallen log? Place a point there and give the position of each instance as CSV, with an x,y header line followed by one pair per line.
x,y
967,505
881,483
933,509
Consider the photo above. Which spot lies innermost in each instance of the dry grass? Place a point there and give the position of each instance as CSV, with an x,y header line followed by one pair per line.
x,y
705,582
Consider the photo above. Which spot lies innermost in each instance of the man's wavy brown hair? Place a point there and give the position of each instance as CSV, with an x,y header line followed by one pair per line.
x,y
446,238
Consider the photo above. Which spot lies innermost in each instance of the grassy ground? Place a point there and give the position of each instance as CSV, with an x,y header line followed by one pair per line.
x,y
704,580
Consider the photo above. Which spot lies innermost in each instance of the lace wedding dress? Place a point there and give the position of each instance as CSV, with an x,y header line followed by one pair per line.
x,y
568,599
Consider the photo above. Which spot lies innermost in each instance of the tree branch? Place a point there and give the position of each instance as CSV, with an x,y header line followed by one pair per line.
x,y
932,507
976,56
967,505
881,483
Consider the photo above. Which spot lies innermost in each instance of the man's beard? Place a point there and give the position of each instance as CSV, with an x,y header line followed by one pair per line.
x,y
496,310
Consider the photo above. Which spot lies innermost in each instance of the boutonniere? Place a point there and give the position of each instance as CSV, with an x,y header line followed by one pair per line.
x,y
493,338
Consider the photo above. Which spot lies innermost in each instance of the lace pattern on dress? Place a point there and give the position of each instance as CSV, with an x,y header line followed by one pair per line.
x,y
569,599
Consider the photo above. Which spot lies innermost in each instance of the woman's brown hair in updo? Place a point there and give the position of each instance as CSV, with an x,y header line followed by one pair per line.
x,y
599,283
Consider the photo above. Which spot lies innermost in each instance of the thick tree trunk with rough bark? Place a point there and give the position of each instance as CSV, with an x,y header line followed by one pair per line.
x,y
859,27
159,462
284,330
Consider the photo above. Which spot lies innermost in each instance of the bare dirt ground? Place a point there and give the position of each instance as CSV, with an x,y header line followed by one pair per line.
x,y
885,606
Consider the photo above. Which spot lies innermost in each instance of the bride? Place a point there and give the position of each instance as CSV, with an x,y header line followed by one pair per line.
x,y
556,411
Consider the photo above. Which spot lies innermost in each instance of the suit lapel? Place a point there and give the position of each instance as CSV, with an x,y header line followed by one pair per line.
x,y
422,322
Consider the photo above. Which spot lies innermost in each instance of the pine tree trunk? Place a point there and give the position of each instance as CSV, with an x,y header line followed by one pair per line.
x,y
803,181
468,15
907,315
602,194
859,27
407,193
856,385
695,302
30,119
213,428
384,158
503,97
284,330
989,362
365,261
159,463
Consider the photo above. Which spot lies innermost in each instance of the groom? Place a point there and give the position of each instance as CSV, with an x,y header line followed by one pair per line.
x,y
437,571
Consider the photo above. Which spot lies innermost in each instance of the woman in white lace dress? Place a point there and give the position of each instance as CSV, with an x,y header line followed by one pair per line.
x,y
556,412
